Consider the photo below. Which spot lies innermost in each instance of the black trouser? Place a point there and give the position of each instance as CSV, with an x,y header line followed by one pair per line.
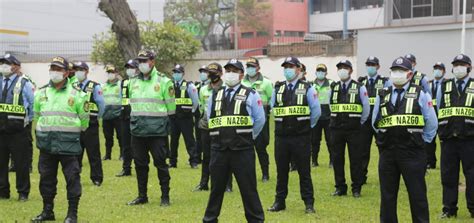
x,y
242,164
299,148
126,145
184,126
108,127
48,169
90,144
142,147
316,136
410,164
206,156
16,144
431,153
367,133
261,143
339,139
454,152
197,133
29,135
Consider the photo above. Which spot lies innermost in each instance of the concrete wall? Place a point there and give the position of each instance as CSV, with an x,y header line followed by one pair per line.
x,y
270,67
429,43
358,19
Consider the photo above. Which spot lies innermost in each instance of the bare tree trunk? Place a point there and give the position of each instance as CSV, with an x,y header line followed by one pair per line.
x,y
124,25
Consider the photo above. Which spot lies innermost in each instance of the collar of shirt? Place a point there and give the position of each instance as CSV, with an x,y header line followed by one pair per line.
x,y
404,87
439,81
347,82
179,82
465,79
374,77
11,78
234,87
292,82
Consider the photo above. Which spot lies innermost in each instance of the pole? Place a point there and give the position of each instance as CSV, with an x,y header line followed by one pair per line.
x,y
463,30
236,25
344,28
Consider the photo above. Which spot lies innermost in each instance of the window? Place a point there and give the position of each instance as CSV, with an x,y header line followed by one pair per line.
x,y
262,33
469,6
294,34
277,33
442,7
403,9
247,35
328,6
295,0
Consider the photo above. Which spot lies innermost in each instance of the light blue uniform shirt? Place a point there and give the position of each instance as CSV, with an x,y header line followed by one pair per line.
x,y
439,94
254,108
313,102
193,94
364,98
427,110
27,92
98,97
388,83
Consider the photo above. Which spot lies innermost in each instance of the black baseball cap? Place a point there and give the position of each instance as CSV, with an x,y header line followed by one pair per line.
x,y
178,68
110,68
59,62
462,58
10,59
203,69
214,67
401,62
411,58
439,65
235,63
131,64
344,62
252,61
292,61
146,55
372,60
81,64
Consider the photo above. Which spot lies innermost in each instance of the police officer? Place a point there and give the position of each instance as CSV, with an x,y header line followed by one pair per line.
x,y
187,102
349,110
131,72
456,133
254,79
296,110
236,117
152,99
16,111
90,138
214,73
373,82
418,78
439,70
113,108
203,80
404,120
61,114
322,85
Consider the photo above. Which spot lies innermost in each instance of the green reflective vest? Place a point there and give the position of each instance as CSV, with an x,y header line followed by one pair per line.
x,y
151,102
61,115
262,85
112,99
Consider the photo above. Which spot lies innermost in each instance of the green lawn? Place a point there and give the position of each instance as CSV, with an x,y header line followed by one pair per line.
x,y
107,203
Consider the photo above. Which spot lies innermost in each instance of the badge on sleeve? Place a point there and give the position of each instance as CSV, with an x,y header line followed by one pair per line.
x,y
171,91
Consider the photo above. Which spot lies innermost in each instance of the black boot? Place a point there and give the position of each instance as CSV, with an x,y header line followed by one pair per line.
x,y
47,214
72,211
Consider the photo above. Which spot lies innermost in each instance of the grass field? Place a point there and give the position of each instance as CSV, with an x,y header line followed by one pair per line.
x,y
107,203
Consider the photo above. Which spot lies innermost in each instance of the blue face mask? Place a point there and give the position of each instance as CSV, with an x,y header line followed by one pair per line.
x,y
203,76
321,75
178,76
289,73
251,71
371,71
438,73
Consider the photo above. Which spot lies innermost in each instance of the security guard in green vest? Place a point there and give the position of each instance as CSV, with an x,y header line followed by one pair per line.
x,y
90,138
152,99
187,102
439,70
322,85
214,73
61,113
236,117
296,110
255,80
404,120
113,108
373,82
203,81
349,110
419,79
16,112
456,133
131,72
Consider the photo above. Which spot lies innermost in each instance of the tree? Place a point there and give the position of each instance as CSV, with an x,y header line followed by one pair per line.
x,y
124,25
171,43
251,11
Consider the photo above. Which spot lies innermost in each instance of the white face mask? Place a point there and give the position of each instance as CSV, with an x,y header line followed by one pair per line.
x,y
343,74
398,77
231,79
131,72
144,68
459,71
80,75
111,76
6,70
56,76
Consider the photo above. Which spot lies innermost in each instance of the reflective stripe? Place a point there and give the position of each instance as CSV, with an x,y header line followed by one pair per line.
x,y
410,101
470,95
57,129
238,103
59,113
218,106
343,108
415,130
183,101
93,108
149,114
16,117
443,122
13,109
372,100
303,118
125,101
456,111
147,100
230,121
214,133
17,91
93,114
401,120
278,119
291,111
434,102
243,131
469,121
280,95
187,107
169,100
335,93
355,115
171,112
352,95
299,100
